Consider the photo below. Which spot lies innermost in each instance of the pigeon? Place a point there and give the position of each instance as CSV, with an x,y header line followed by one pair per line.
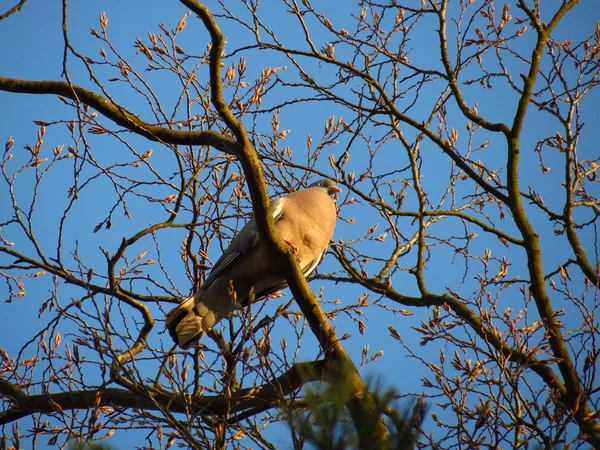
x,y
304,219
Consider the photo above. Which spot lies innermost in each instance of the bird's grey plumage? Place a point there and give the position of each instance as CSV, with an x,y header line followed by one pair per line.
x,y
305,219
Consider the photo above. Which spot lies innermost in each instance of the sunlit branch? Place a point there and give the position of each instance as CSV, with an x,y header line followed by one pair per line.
x,y
461,310
451,76
70,278
531,238
359,407
387,106
13,10
120,115
240,401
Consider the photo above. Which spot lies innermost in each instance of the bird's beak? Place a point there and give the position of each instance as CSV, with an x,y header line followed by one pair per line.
x,y
335,189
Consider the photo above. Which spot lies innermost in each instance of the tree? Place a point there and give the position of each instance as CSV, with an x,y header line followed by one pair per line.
x,y
461,134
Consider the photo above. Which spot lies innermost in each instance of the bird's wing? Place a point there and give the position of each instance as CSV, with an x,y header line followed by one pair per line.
x,y
241,245
306,272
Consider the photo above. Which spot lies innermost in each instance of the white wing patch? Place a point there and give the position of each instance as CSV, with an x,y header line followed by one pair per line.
x,y
276,208
313,265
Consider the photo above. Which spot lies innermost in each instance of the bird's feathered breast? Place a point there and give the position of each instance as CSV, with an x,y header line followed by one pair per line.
x,y
308,221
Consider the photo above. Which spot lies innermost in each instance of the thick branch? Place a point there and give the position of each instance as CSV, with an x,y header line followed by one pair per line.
x,y
360,406
242,400
572,397
120,115
530,237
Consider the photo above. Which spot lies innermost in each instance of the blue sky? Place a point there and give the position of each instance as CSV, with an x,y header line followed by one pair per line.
x,y
31,47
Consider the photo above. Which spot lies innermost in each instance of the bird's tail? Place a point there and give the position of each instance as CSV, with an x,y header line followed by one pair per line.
x,y
188,322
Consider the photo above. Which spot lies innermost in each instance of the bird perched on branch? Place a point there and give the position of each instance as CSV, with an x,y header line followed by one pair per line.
x,y
304,219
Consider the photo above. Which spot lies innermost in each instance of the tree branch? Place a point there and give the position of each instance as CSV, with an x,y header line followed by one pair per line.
x,y
572,396
120,115
360,405
391,109
240,401
13,10
453,81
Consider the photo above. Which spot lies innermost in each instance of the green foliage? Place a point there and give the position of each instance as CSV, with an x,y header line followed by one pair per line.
x,y
82,445
322,420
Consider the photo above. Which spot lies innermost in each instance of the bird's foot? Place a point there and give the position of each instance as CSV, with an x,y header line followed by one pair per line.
x,y
294,250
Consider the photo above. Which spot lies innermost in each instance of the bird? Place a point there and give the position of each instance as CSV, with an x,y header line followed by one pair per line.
x,y
304,219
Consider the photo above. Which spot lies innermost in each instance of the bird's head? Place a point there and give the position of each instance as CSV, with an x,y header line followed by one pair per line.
x,y
328,185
